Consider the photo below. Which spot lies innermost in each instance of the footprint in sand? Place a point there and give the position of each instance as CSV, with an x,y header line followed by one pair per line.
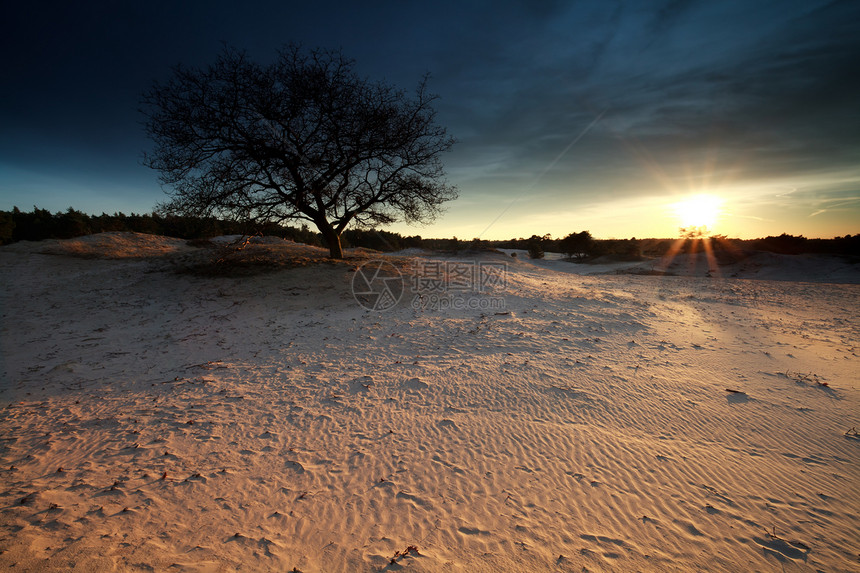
x,y
295,466
692,529
360,385
415,384
781,549
414,499
473,531
602,541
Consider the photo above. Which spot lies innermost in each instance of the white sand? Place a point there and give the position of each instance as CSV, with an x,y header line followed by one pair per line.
x,y
587,429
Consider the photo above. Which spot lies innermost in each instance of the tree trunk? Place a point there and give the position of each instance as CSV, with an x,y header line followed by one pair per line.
x,y
332,239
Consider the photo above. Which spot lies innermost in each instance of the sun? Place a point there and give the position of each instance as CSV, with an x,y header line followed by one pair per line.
x,y
698,211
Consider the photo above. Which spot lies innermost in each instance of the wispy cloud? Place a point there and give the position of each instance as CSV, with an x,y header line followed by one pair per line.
x,y
837,203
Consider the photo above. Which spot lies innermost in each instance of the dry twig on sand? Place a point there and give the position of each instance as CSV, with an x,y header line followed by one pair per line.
x,y
404,553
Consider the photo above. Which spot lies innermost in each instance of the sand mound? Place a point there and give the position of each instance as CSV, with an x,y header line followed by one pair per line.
x,y
112,245
234,255
227,255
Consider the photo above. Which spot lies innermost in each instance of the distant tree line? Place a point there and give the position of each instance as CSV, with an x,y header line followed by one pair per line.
x,y
40,224
581,246
795,245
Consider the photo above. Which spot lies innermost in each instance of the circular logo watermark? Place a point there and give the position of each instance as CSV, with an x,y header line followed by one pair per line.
x,y
377,285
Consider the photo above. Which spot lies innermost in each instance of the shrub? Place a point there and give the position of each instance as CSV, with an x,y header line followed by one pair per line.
x,y
577,245
535,247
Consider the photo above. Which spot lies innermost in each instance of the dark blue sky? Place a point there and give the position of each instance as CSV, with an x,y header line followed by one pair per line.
x,y
756,103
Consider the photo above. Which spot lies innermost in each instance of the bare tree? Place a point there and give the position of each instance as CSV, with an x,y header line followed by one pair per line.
x,y
301,138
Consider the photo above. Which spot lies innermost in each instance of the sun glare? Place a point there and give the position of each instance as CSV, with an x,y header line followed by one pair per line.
x,y
698,211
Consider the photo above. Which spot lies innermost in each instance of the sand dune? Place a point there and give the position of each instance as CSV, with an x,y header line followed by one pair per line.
x,y
163,421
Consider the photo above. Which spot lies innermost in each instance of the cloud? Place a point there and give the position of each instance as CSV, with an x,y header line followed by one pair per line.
x,y
767,95
732,94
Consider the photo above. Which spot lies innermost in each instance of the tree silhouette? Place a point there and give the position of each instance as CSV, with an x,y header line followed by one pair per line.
x,y
301,138
535,246
577,245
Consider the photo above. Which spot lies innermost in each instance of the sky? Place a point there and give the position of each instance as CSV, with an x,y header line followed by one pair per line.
x,y
607,116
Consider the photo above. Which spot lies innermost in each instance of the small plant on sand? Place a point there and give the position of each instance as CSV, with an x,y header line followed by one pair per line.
x,y
772,534
802,378
400,554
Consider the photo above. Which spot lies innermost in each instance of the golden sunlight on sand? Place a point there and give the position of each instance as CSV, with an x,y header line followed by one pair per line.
x,y
196,408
